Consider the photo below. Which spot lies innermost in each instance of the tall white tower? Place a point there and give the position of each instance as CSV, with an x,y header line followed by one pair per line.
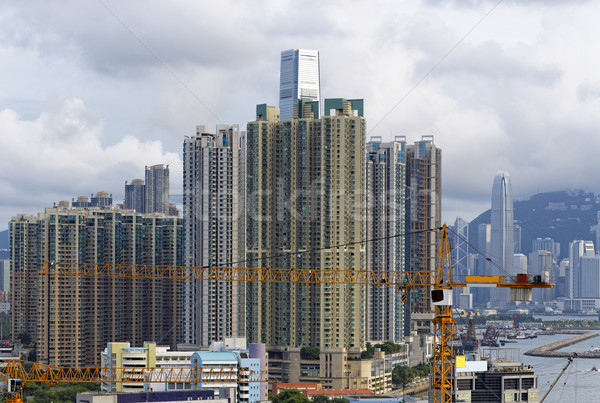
x,y
577,250
502,237
299,79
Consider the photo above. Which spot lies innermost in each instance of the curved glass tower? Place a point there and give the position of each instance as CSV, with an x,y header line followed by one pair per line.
x,y
502,236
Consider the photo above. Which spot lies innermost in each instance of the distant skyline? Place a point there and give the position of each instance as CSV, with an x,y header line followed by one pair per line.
x,y
91,92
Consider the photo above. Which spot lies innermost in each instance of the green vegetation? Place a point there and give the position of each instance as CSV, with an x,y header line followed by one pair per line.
x,y
24,338
388,347
309,353
61,393
289,396
403,375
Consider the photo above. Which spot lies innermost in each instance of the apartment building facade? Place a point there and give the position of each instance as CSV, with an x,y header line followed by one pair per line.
x,y
386,224
305,195
215,219
424,214
157,189
71,318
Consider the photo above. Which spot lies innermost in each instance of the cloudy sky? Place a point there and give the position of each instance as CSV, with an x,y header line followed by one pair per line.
x,y
92,91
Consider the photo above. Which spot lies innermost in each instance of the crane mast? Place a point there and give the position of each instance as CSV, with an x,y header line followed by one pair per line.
x,y
443,325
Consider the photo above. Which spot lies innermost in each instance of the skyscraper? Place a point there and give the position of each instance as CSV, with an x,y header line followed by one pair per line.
x,y
460,246
135,196
460,254
157,189
299,79
577,250
4,275
102,199
215,227
481,295
424,210
541,262
305,187
502,234
72,318
546,244
386,199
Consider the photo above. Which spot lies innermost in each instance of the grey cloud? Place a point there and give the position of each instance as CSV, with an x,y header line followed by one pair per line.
x,y
488,59
177,34
588,91
476,3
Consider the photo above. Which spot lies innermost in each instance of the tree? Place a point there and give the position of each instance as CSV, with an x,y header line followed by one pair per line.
x,y
369,352
388,347
339,400
402,375
290,396
320,399
309,353
24,338
32,356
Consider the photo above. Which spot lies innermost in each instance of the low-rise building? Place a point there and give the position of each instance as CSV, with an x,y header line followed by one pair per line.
x,y
311,389
180,396
335,368
123,355
498,377
232,365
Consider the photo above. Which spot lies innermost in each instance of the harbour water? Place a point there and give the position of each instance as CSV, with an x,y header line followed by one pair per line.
x,y
578,384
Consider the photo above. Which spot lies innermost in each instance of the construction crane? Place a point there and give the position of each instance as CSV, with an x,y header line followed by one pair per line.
x,y
15,376
569,362
441,295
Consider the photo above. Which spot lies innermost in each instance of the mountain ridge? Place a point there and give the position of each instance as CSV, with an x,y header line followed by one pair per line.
x,y
561,215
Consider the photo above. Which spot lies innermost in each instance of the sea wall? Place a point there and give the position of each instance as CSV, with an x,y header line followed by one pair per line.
x,y
549,350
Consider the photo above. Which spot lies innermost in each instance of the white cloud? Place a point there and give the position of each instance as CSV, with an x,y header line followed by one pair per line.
x,y
60,155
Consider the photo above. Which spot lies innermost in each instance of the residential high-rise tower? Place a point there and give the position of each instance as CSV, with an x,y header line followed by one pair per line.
x,y
299,79
215,227
135,196
305,187
157,189
69,318
386,199
424,212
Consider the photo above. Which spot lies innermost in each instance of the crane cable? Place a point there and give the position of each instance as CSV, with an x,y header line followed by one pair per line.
x,y
342,245
487,257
